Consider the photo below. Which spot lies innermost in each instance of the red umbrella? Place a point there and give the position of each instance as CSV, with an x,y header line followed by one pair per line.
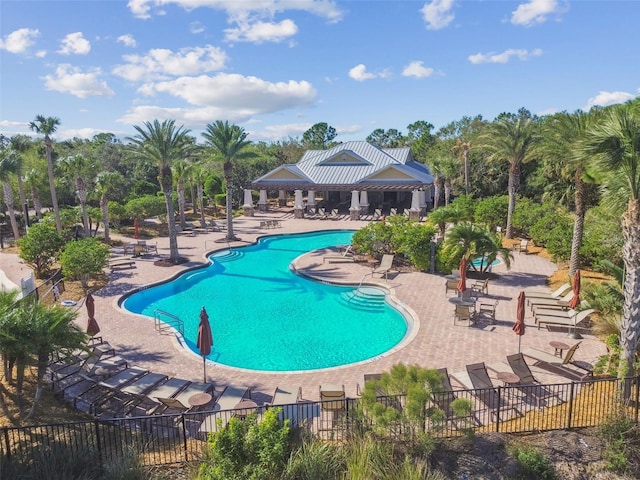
x,y
575,301
92,326
519,326
462,283
205,339
136,229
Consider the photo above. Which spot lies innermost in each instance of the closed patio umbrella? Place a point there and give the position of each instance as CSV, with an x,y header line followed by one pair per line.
x,y
205,339
136,229
519,326
462,283
575,301
92,326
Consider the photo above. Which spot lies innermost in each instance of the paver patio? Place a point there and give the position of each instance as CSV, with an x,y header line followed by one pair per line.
x,y
434,342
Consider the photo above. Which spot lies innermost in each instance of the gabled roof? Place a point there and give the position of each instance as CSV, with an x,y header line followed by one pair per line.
x,y
348,165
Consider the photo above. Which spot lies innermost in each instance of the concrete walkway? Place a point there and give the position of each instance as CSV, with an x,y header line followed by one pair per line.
x,y
435,342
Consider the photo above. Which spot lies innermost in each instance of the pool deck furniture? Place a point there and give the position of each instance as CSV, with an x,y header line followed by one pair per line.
x,y
287,399
522,247
117,264
567,367
571,319
557,293
230,397
345,256
386,264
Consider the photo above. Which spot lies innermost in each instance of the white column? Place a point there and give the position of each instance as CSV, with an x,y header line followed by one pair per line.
x,y
248,199
355,200
423,199
311,198
298,204
415,201
364,200
263,197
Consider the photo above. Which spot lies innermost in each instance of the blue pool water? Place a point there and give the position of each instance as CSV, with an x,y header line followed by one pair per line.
x,y
478,262
266,317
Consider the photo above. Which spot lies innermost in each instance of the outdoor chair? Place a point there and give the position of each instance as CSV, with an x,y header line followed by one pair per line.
x,y
565,367
443,397
368,377
214,226
555,294
523,246
488,310
450,285
464,313
484,390
287,399
345,256
562,303
480,287
230,397
386,264
571,318
528,383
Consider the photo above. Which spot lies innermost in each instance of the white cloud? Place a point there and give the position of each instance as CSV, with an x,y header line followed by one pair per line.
x,y
608,98
237,93
242,8
359,73
505,56
41,53
196,27
259,32
189,117
72,80
127,40
163,62
74,44
19,40
437,14
535,12
418,70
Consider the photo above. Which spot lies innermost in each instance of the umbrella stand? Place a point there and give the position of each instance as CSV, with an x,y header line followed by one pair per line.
x,y
204,367
575,335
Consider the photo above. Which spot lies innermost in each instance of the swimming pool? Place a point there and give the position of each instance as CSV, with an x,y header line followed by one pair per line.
x,y
266,317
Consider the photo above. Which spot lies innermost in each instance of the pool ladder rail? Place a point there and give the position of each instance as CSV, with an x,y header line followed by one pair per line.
x,y
165,323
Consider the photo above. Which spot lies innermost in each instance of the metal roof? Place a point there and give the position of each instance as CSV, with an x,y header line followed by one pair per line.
x,y
350,165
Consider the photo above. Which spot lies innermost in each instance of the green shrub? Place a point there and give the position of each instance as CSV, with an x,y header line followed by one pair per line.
x,y
83,258
315,460
602,238
620,435
533,464
492,211
40,247
247,450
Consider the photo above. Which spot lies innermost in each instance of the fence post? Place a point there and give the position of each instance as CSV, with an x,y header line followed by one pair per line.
x,y
6,439
184,436
98,443
571,399
637,400
498,409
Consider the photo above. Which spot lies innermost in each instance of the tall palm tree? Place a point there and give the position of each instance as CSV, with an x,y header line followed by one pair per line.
x,y
163,144
613,146
8,168
106,184
20,144
181,170
561,134
229,141
198,175
510,138
47,126
33,179
77,167
462,148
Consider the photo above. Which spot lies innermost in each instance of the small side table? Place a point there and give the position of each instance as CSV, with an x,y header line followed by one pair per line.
x,y
508,378
199,399
558,347
245,407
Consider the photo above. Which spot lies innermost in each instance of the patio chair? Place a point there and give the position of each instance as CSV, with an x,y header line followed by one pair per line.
x,y
570,319
368,377
564,367
215,226
480,287
334,214
523,246
557,293
99,391
442,398
230,397
287,398
488,310
528,383
345,256
386,264
484,390
451,285
463,313
562,303
126,398
150,402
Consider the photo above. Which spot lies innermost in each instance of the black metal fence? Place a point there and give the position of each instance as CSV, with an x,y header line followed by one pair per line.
x,y
168,439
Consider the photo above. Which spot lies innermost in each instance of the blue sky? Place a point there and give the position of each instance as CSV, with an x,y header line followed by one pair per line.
x,y
276,67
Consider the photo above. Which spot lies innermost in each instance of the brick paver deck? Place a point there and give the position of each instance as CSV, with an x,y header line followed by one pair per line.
x,y
435,341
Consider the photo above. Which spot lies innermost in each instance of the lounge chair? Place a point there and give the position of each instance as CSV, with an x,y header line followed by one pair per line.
x,y
443,398
215,226
562,303
286,398
571,319
556,294
368,377
124,399
92,366
345,256
332,397
386,264
484,390
335,215
560,366
151,403
377,214
528,383
230,397
99,391
523,246
488,310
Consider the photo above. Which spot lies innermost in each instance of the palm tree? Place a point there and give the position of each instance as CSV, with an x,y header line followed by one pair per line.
x,y
20,144
163,144
561,135
463,147
613,146
8,167
228,140
181,170
47,126
33,179
106,183
199,174
77,166
510,138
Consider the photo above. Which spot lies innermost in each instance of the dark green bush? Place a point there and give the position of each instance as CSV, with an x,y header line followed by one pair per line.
x,y
492,211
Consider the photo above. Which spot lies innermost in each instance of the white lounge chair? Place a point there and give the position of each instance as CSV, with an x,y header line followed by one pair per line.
x,y
557,293
345,256
227,401
570,319
287,398
386,264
